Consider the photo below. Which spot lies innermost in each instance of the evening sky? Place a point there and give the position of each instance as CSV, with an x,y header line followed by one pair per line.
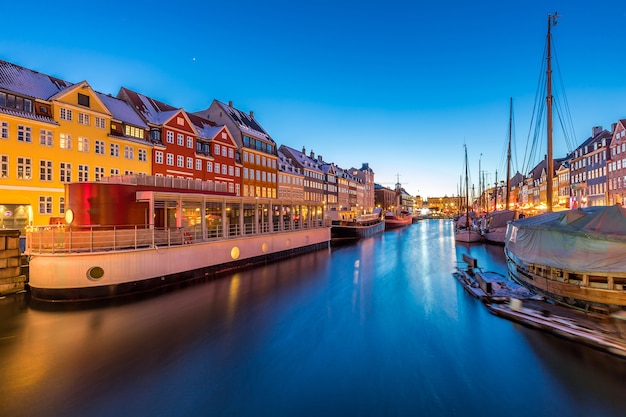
x,y
401,85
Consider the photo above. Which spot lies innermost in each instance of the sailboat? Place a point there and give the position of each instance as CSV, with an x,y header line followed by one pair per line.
x,y
465,231
574,257
494,229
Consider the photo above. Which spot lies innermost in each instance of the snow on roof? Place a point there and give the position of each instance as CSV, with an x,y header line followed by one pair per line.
x,y
27,115
28,82
246,122
121,110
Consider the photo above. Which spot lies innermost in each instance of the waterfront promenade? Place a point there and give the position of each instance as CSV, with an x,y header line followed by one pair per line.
x,y
378,328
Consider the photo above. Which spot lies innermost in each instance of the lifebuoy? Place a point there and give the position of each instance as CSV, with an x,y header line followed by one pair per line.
x,y
187,238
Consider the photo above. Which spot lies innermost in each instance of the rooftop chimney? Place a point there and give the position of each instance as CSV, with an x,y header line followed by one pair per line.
x,y
251,114
230,103
312,154
596,130
303,150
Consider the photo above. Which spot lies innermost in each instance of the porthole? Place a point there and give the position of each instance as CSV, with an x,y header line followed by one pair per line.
x,y
95,273
234,253
264,247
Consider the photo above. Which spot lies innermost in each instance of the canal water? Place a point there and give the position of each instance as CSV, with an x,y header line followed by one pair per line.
x,y
377,328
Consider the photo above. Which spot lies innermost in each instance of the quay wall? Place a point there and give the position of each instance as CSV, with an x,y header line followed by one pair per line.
x,y
11,278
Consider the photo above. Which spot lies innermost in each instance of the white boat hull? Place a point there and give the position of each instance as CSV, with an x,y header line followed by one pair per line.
x,y
107,274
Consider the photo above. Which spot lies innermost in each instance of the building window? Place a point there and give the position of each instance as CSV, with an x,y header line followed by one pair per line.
x,y
245,156
65,141
100,122
83,119
45,137
45,170
217,168
83,144
98,173
65,171
114,171
133,131
45,205
189,163
4,130
24,134
189,142
99,149
83,100
129,152
237,172
4,166
158,157
224,169
65,114
114,150
180,161
231,153
199,164
24,168
83,173
180,139
142,155
170,136
180,121
209,166
62,205
170,159
216,149
231,171
245,173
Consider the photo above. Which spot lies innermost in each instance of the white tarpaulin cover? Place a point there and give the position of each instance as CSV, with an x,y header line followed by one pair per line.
x,y
591,239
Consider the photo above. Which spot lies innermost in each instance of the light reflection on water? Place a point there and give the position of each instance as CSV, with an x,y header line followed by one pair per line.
x,y
377,328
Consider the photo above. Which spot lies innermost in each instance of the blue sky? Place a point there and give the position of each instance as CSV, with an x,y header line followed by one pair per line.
x,y
401,85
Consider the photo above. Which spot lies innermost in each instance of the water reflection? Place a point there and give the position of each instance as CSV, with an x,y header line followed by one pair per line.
x,y
375,328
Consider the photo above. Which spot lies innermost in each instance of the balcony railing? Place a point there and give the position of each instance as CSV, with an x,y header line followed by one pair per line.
x,y
63,239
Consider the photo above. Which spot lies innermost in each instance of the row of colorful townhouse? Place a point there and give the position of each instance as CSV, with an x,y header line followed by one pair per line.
x,y
53,132
593,174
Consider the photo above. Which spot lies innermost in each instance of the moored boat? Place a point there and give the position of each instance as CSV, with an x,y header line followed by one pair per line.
x,y
574,257
494,230
123,238
360,227
395,221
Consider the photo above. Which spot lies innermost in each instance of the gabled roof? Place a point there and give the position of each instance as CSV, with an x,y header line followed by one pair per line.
x,y
205,128
246,122
301,158
122,111
30,83
151,110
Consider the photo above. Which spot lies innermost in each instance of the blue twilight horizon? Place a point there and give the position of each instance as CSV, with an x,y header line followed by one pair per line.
x,y
401,86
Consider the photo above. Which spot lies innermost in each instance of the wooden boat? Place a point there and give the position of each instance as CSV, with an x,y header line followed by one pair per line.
x,y
494,230
466,231
395,221
124,238
574,257
360,227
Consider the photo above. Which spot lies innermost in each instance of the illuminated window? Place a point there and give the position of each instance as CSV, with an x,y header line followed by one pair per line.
x,y
24,168
83,144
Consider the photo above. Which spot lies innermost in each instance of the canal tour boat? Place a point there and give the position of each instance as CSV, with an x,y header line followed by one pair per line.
x,y
574,257
354,227
133,234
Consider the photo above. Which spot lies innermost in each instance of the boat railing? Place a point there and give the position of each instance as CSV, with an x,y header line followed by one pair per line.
x,y
63,239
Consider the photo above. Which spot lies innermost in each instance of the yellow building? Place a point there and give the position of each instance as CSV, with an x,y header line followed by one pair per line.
x,y
53,132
